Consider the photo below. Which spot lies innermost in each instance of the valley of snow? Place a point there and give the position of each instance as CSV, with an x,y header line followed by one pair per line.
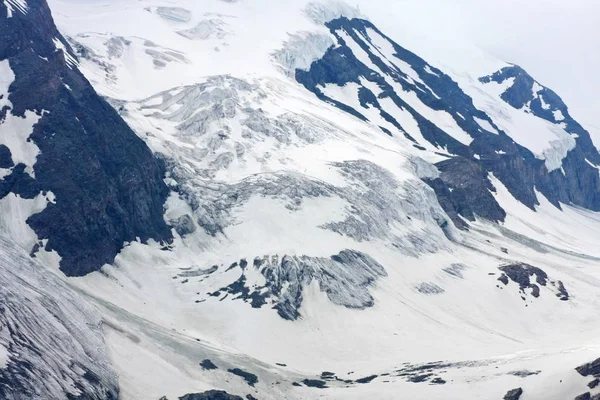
x,y
306,239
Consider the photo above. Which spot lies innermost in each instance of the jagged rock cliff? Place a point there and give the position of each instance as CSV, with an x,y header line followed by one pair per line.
x,y
106,185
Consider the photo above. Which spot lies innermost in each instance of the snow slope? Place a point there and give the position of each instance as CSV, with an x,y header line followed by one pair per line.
x,y
226,34
308,234
51,338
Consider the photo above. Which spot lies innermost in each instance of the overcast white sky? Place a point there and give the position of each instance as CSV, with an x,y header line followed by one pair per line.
x,y
556,41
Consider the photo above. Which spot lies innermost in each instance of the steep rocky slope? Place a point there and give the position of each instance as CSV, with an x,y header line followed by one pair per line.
x,y
60,137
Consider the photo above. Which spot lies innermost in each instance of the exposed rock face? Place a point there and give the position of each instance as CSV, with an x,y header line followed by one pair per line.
x,y
523,274
51,336
590,369
208,365
184,225
514,394
315,383
107,185
211,395
471,191
250,378
5,157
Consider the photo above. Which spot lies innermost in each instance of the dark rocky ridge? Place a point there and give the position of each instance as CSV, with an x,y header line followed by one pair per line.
x,y
250,378
592,368
107,184
210,395
522,273
463,186
208,365
514,394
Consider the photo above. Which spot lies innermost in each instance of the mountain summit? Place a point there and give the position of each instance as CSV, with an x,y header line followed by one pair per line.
x,y
249,199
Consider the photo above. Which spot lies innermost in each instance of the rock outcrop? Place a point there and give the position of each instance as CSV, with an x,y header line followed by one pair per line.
x,y
107,186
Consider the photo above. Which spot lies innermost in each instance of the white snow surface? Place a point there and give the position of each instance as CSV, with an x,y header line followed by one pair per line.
x,y
263,168
7,77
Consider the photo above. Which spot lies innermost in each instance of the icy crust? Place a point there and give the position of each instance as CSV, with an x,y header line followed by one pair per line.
x,y
345,277
378,201
301,50
52,338
175,14
228,146
213,28
219,125
378,209
216,37
325,11
558,149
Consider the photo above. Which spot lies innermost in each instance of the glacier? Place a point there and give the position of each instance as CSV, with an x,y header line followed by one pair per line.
x,y
51,336
286,201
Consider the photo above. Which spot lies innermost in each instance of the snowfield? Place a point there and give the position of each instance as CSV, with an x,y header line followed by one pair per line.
x,y
312,259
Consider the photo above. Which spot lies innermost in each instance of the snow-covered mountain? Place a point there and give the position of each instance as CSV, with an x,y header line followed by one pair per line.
x,y
285,202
